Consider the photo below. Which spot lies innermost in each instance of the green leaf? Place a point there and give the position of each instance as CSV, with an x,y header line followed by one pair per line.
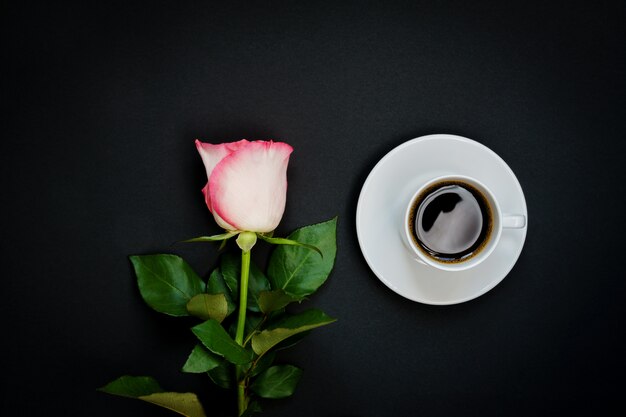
x,y
277,382
287,327
222,375
201,360
183,403
263,363
166,282
132,386
216,339
208,306
253,407
217,285
147,389
291,341
230,267
274,300
299,271
253,322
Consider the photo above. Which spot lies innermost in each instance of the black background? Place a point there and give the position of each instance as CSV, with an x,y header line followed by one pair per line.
x,y
102,103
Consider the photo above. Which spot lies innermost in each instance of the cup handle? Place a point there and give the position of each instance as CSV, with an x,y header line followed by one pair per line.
x,y
513,221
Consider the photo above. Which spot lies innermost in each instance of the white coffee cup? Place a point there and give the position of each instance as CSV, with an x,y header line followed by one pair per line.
x,y
447,226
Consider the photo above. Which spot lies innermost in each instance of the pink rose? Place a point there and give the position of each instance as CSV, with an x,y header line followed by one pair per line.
x,y
247,186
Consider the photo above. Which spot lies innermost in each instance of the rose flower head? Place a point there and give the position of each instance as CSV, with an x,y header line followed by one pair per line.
x,y
247,183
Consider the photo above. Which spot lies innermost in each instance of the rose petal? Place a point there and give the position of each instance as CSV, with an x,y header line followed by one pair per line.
x,y
211,155
222,223
248,188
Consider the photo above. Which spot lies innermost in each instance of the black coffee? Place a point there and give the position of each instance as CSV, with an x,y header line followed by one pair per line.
x,y
451,221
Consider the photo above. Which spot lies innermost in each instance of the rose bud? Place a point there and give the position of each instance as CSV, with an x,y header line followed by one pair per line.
x,y
247,183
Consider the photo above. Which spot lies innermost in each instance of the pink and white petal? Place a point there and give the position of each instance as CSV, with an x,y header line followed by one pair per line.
x,y
222,223
248,188
212,154
207,197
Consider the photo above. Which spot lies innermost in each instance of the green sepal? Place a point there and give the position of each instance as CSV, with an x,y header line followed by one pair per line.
x,y
214,238
246,241
284,241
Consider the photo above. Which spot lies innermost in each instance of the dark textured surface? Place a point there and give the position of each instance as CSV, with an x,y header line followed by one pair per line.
x,y
102,103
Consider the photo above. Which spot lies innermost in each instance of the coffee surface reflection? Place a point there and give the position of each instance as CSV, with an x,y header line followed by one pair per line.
x,y
451,221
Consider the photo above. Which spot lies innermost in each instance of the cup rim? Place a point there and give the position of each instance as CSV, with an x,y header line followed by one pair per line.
x,y
485,252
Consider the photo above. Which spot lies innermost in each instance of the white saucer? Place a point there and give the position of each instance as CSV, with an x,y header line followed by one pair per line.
x,y
383,200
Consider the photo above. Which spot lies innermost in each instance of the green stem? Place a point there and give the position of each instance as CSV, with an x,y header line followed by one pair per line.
x,y
242,400
243,296
241,397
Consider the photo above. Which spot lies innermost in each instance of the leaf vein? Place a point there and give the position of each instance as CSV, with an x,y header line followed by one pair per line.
x,y
167,283
293,273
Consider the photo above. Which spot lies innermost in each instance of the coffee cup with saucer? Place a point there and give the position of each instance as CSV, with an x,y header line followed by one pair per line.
x,y
454,222
392,193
